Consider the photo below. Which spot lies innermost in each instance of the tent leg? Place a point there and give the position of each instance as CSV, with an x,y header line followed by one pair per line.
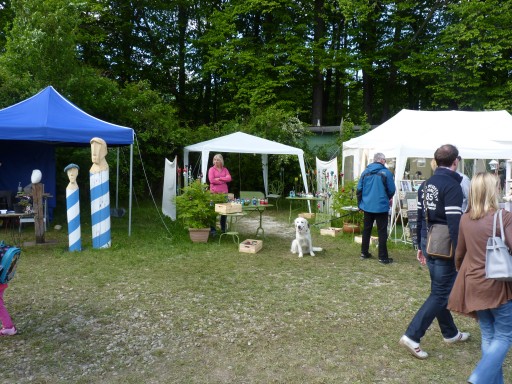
x,y
130,193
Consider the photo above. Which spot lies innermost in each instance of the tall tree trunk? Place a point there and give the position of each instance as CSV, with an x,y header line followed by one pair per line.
x,y
368,96
182,48
317,116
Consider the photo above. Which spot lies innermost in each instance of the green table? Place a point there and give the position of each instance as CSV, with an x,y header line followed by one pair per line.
x,y
260,209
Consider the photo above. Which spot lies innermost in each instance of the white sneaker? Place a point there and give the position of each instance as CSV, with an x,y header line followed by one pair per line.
x,y
461,336
8,331
413,347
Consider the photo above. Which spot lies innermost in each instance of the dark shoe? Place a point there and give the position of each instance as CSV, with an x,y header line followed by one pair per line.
x,y
389,260
366,255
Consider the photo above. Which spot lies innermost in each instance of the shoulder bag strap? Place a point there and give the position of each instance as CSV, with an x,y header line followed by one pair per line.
x,y
501,226
494,224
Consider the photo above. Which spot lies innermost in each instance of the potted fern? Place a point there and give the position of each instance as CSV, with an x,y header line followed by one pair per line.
x,y
195,207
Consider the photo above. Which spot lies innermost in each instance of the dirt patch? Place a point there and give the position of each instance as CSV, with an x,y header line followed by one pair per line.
x,y
272,227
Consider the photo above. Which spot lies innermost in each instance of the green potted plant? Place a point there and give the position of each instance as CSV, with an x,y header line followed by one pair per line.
x,y
195,207
24,204
344,205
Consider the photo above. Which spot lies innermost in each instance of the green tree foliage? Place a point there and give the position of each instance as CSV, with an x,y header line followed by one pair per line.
x,y
183,71
468,64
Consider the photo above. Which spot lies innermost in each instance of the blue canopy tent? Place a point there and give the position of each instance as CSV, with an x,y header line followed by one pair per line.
x,y
30,130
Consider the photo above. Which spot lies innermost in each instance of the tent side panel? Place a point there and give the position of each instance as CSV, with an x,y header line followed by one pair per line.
x,y
19,159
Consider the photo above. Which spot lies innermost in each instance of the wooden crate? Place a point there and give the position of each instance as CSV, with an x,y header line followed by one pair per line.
x,y
331,231
228,208
307,215
250,246
374,240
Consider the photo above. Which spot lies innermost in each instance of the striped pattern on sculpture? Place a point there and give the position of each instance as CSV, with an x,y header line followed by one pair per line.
x,y
100,209
73,214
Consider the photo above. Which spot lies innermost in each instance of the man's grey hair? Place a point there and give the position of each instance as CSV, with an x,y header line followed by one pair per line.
x,y
378,157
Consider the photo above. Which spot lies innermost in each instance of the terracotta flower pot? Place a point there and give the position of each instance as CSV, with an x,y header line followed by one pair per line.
x,y
351,228
199,235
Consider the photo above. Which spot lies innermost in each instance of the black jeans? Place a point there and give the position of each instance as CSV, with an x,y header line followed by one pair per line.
x,y
223,219
382,230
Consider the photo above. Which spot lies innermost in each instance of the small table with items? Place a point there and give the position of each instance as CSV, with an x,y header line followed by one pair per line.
x,y
11,222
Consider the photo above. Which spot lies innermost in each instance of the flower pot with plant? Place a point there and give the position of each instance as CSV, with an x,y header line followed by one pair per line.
x,y
344,205
24,204
196,209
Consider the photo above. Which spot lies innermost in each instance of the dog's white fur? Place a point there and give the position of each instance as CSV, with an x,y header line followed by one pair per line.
x,y
302,242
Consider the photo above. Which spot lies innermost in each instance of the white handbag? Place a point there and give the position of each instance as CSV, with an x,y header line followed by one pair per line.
x,y
498,262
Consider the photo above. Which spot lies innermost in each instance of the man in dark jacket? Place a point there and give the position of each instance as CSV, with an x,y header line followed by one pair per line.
x,y
440,197
376,186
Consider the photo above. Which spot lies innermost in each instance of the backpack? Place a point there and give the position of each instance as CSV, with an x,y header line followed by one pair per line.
x,y
9,257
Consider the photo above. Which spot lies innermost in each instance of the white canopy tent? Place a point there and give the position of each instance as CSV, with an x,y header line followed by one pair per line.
x,y
240,142
417,134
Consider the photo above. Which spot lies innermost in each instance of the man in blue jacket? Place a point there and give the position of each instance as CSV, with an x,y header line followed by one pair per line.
x,y
375,187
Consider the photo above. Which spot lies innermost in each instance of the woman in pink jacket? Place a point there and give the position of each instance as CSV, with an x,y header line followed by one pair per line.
x,y
219,177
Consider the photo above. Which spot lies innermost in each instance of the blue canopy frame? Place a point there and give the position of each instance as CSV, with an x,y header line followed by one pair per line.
x,y
30,130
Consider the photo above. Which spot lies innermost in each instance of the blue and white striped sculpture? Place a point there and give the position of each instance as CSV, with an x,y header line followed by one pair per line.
x,y
73,209
100,195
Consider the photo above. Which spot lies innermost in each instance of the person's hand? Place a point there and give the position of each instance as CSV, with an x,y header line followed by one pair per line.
x,y
421,258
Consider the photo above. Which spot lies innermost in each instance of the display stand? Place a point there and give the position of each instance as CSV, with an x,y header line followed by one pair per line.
x,y
406,202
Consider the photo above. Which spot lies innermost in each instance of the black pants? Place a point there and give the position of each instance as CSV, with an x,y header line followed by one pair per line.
x,y
223,219
382,230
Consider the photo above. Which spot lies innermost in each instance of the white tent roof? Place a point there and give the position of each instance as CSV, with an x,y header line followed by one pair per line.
x,y
477,135
409,134
240,142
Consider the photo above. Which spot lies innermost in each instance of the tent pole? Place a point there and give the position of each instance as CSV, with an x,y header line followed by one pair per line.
x,y
130,193
117,181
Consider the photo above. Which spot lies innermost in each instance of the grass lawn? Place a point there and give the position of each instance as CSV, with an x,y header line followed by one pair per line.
x,y
155,308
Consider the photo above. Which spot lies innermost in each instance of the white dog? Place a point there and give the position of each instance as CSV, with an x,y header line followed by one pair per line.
x,y
302,242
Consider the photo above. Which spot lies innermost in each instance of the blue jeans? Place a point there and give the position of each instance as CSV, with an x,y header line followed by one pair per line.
x,y
496,328
442,277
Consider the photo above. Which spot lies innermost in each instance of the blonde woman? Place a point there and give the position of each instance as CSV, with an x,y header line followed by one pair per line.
x,y
490,301
219,177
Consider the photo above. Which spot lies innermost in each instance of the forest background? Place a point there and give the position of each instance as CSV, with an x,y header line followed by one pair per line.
x,y
179,72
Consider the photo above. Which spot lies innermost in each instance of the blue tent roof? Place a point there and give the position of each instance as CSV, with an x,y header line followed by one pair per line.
x,y
48,116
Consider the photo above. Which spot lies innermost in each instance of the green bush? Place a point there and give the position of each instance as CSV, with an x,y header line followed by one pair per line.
x,y
196,205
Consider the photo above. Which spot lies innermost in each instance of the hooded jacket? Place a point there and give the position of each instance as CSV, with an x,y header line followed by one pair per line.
x,y
378,186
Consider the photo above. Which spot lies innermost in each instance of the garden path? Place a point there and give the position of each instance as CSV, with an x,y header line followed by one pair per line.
x,y
272,226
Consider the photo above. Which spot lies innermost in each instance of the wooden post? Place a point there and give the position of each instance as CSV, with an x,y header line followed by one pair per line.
x,y
37,200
